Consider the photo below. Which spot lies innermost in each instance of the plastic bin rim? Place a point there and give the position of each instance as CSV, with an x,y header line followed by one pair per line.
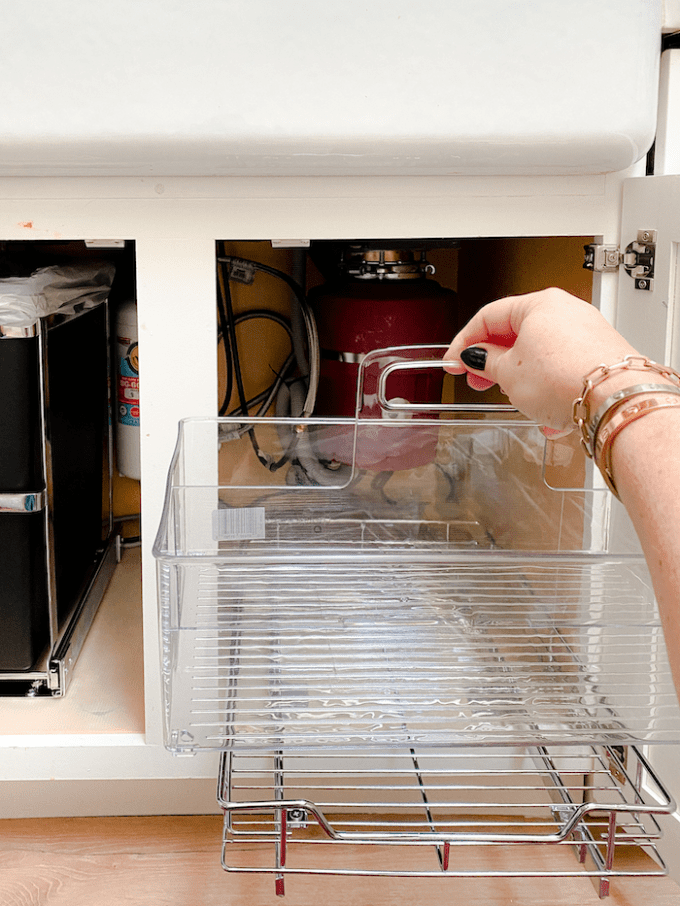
x,y
497,421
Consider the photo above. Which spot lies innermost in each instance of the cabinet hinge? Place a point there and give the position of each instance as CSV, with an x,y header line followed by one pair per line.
x,y
637,260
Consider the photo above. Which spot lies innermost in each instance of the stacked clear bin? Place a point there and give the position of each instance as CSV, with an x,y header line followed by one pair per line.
x,y
413,631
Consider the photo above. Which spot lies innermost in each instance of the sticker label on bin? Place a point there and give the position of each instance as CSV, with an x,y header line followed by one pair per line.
x,y
242,524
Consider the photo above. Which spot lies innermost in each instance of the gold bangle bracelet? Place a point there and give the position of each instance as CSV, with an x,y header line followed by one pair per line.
x,y
615,420
623,396
580,407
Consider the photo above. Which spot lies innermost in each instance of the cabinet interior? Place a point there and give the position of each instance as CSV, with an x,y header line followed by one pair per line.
x,y
479,270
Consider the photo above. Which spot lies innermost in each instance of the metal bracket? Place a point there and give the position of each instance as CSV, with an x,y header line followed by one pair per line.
x,y
637,260
297,817
602,259
241,271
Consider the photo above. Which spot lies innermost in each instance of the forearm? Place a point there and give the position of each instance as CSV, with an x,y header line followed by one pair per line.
x,y
646,466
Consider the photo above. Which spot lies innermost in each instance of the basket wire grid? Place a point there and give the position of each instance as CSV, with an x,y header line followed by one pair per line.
x,y
280,809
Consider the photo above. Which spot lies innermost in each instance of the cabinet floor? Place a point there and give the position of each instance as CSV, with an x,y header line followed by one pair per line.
x,y
106,693
175,861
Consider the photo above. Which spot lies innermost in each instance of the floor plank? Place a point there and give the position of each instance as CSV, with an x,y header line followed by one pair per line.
x,y
175,861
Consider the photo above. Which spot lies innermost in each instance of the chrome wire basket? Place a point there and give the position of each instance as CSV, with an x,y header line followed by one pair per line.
x,y
425,813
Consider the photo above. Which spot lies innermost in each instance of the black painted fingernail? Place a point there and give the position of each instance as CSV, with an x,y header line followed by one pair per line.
x,y
474,357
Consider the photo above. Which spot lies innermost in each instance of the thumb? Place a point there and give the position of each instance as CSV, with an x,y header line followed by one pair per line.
x,y
481,362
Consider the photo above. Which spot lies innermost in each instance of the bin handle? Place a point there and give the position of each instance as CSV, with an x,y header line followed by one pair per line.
x,y
397,405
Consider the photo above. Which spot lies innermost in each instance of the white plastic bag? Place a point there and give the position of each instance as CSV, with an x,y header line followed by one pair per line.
x,y
23,300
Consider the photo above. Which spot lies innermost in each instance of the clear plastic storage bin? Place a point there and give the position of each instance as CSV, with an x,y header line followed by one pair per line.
x,y
434,580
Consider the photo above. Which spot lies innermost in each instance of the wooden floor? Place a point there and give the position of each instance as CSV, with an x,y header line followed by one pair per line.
x,y
175,861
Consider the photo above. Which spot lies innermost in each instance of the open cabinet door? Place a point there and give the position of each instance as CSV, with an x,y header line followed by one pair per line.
x,y
650,320
647,309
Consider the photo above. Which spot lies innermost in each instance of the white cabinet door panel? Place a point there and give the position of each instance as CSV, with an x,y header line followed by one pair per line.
x,y
650,320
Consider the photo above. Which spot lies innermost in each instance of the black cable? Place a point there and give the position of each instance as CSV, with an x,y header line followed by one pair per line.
x,y
308,317
254,314
266,397
224,328
230,380
272,271
228,327
230,324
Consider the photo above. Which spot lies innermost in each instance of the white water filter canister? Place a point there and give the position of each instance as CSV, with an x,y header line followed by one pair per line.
x,y
127,391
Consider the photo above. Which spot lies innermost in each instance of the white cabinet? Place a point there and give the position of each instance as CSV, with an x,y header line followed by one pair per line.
x,y
175,222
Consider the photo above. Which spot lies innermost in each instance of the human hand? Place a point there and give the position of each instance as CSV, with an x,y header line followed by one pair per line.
x,y
537,348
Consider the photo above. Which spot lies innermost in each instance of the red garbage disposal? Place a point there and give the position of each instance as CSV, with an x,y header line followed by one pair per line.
x,y
382,298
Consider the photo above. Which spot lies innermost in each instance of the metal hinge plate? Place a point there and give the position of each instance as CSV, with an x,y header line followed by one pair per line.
x,y
637,260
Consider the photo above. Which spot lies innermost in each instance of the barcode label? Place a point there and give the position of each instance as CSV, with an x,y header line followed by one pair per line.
x,y
244,524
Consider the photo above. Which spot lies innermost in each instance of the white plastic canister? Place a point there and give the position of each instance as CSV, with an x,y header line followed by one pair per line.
x,y
127,391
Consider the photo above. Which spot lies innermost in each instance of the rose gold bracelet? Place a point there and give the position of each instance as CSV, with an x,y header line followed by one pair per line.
x,y
616,419
580,407
624,396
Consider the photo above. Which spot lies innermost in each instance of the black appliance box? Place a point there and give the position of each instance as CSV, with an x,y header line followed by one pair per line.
x,y
54,453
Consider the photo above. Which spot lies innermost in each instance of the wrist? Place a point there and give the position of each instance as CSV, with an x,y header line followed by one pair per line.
x,y
601,420
606,387
622,414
